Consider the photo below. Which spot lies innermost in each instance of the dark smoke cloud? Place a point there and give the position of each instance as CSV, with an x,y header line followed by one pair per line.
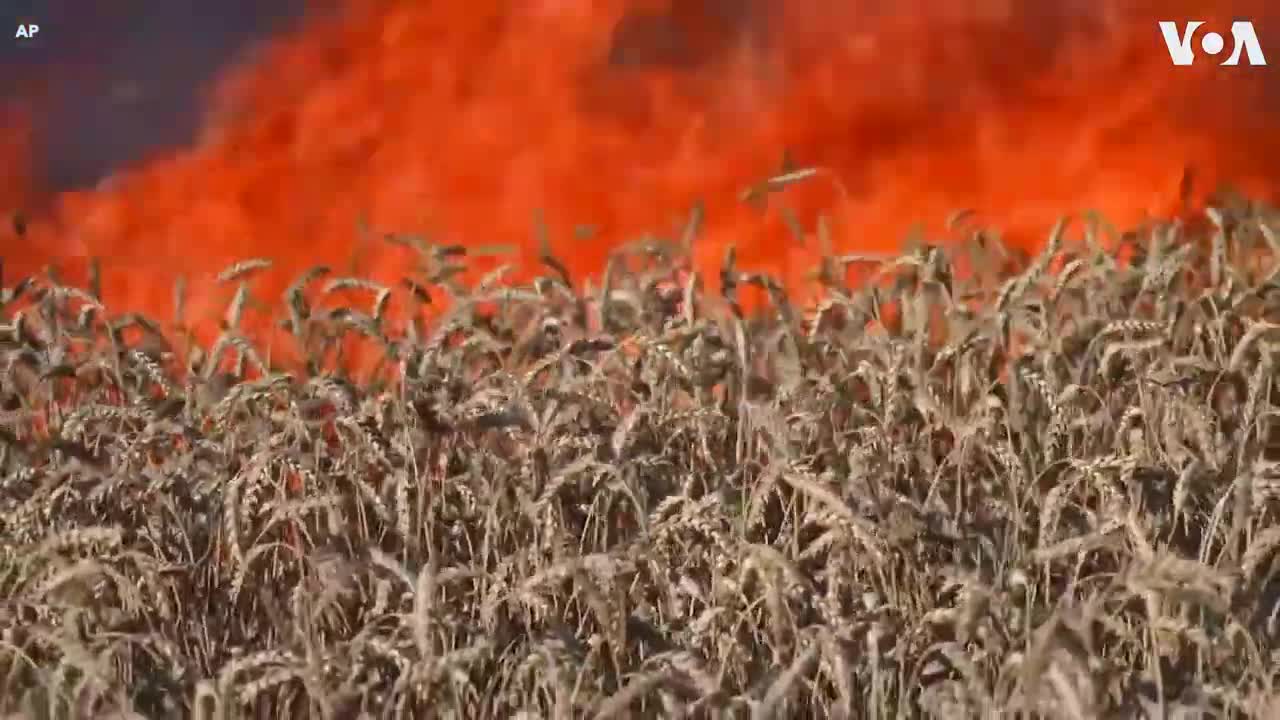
x,y
111,82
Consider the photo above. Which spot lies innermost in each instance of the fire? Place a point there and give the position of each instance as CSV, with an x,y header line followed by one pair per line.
x,y
15,138
462,121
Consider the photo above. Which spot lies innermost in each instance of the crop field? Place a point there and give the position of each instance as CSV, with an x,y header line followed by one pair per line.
x,y
967,483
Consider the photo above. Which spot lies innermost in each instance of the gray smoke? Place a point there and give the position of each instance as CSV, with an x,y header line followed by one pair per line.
x,y
113,82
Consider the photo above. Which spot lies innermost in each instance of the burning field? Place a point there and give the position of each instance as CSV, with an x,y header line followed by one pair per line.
x,y
640,359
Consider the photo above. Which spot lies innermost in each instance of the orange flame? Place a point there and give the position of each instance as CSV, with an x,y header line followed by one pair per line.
x,y
15,141
461,121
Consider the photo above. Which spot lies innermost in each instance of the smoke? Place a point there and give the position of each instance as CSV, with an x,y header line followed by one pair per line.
x,y
111,84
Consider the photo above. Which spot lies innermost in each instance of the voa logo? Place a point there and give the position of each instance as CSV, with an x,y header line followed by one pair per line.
x,y
1243,38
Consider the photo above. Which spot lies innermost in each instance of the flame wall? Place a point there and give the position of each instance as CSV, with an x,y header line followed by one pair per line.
x,y
460,120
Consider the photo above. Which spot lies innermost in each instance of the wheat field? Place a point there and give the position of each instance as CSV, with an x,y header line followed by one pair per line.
x,y
1047,487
